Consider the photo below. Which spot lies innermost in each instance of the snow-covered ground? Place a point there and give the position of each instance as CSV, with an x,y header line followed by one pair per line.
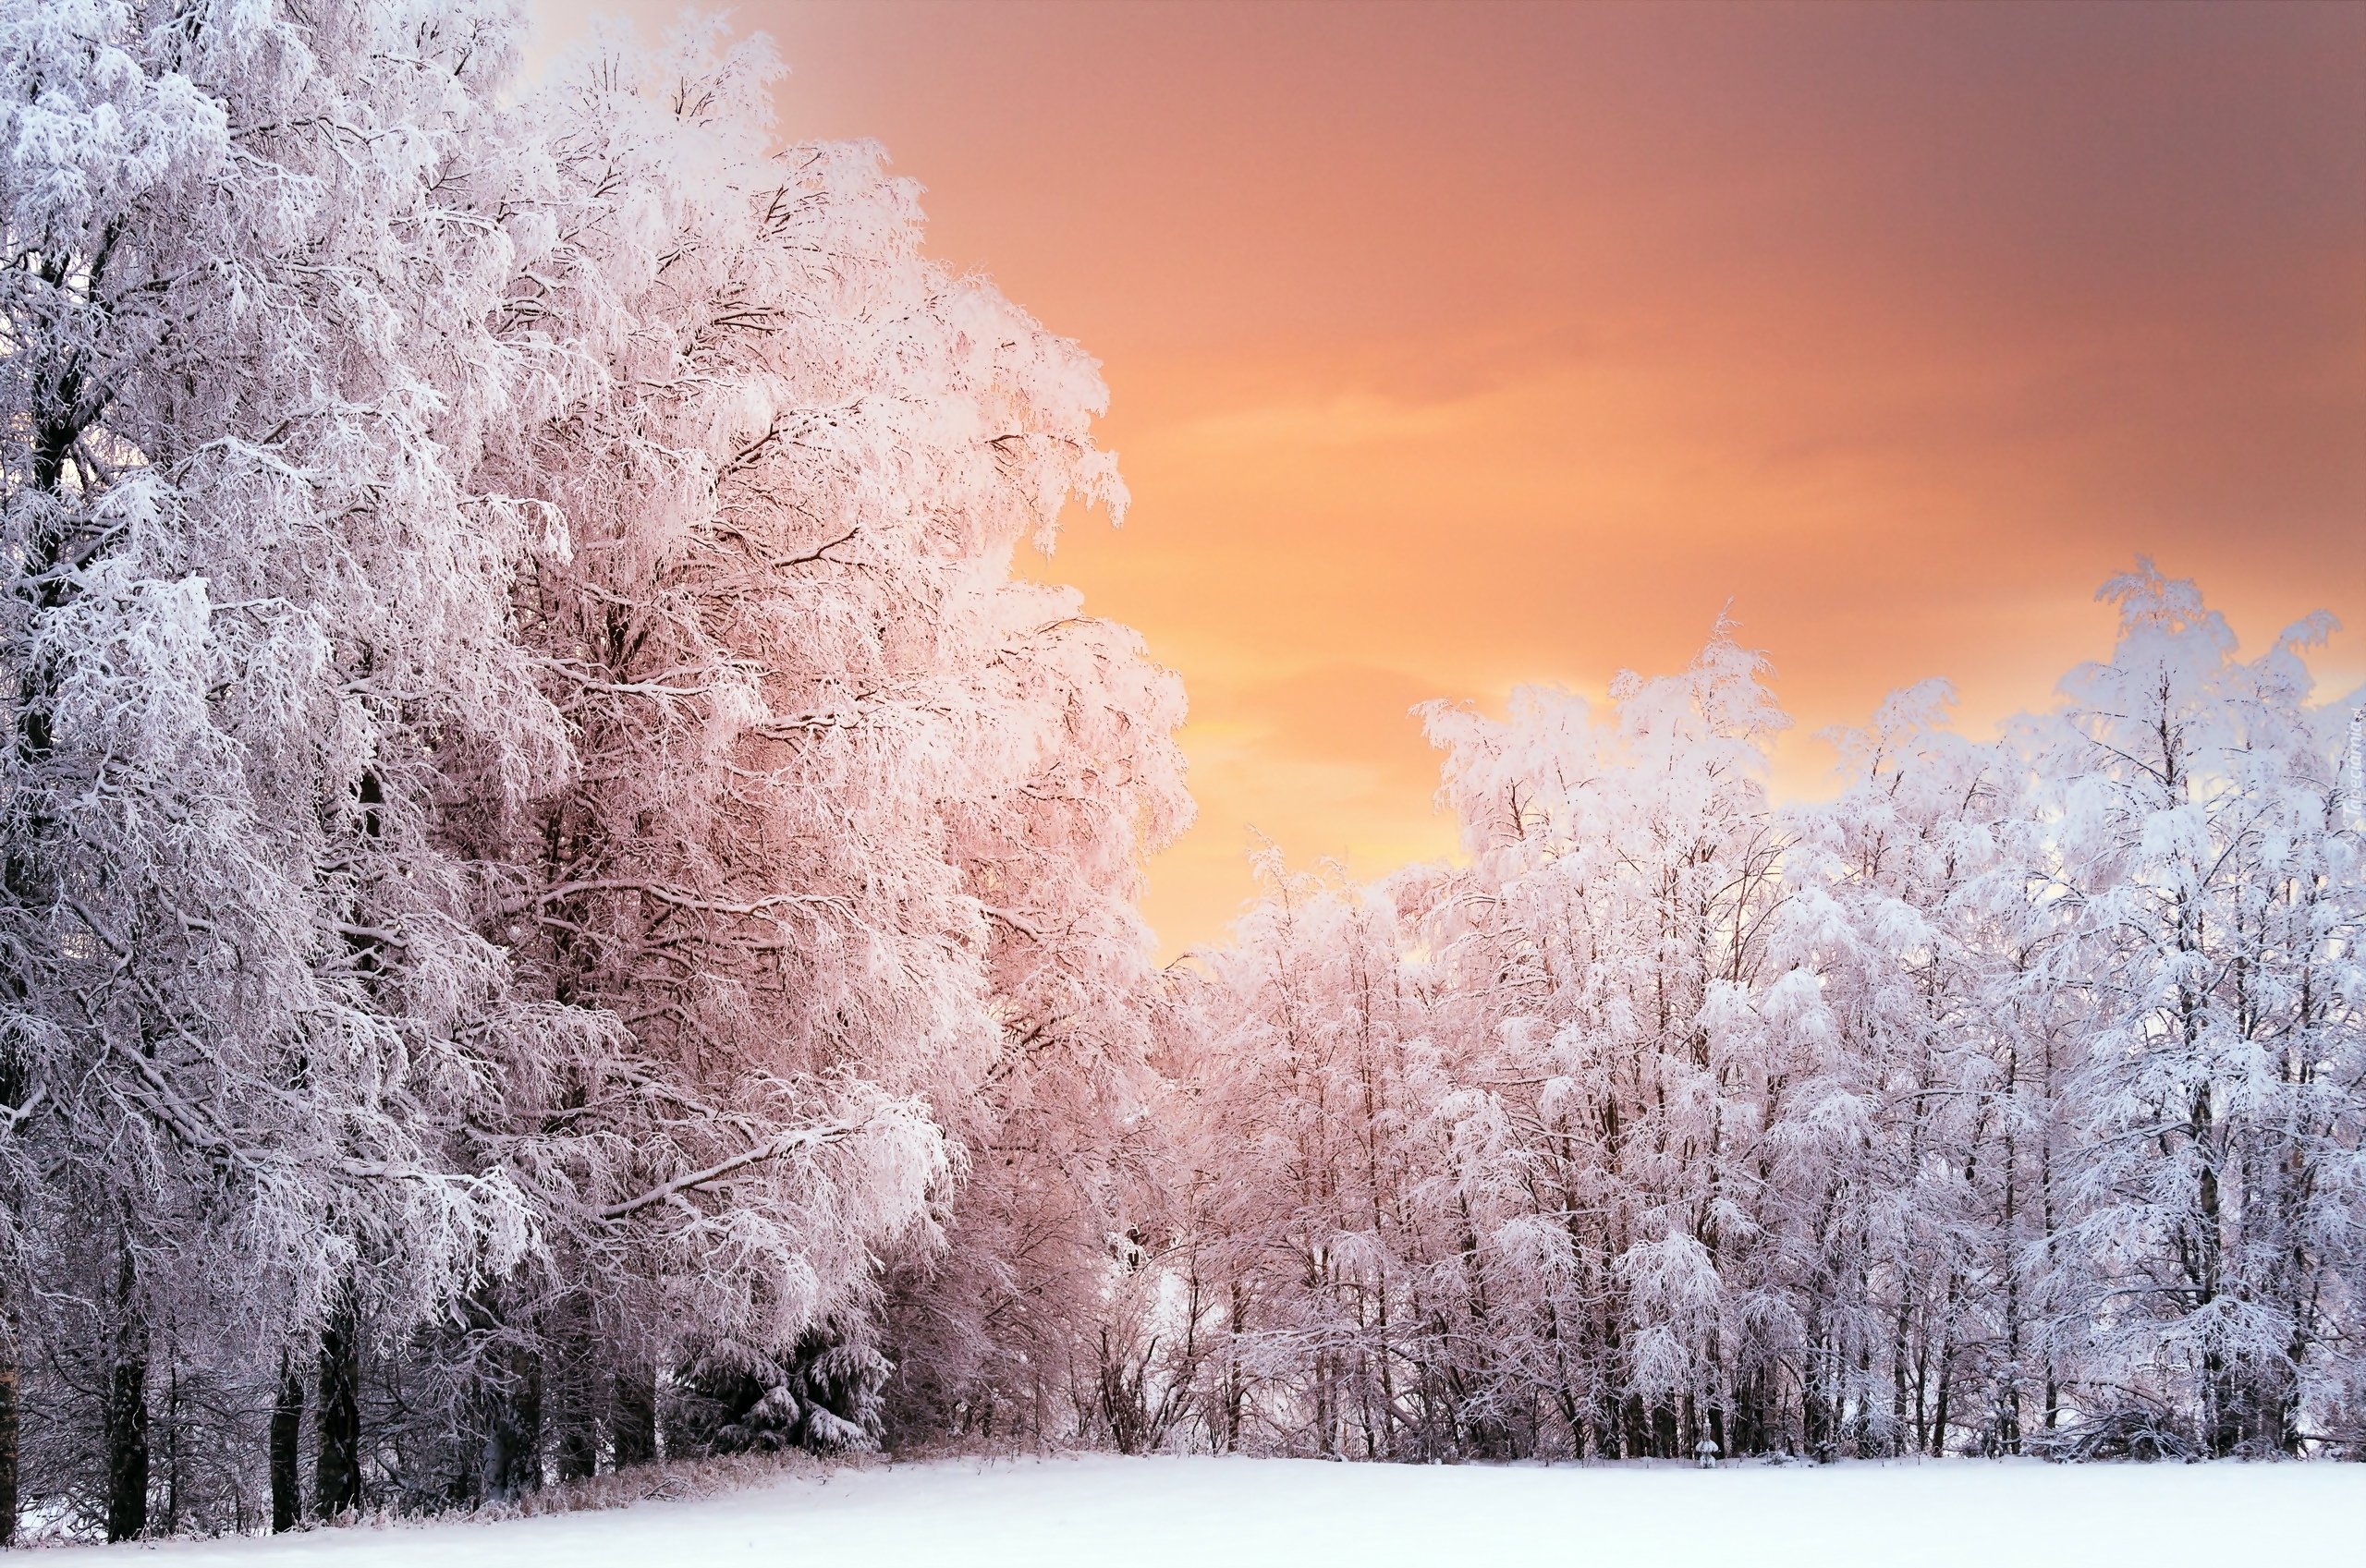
x,y
1114,1513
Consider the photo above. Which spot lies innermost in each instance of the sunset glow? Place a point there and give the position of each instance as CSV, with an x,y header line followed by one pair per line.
x,y
1458,346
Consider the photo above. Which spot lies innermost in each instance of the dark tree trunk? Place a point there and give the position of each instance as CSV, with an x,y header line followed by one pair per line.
x,y
287,1456
8,1424
635,1418
1819,1420
126,1433
2222,1416
575,1423
125,1412
513,1444
336,1476
127,1437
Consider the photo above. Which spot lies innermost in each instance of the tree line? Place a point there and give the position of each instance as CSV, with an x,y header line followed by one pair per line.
x,y
546,844
2011,1102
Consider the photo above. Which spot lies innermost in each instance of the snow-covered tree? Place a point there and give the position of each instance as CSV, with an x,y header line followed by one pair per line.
x,y
2204,837
541,826
2010,1096
257,632
859,818
1614,954
1060,1124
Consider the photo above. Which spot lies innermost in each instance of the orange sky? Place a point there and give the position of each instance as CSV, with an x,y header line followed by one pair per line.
x,y
1454,346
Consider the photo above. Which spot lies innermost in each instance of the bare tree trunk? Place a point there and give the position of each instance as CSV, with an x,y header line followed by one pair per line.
x,y
575,1418
2008,1408
337,1474
9,1387
125,1414
127,1434
634,1417
287,1457
513,1446
1236,1391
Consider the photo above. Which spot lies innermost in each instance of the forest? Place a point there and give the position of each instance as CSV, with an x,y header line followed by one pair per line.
x,y
566,902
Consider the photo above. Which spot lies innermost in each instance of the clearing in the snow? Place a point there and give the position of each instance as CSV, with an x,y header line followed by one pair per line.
x,y
1304,1514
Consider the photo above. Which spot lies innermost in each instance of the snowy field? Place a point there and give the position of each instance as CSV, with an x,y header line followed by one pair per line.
x,y
1303,1514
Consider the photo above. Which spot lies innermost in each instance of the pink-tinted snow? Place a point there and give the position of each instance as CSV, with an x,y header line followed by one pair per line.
x,y
1303,1514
